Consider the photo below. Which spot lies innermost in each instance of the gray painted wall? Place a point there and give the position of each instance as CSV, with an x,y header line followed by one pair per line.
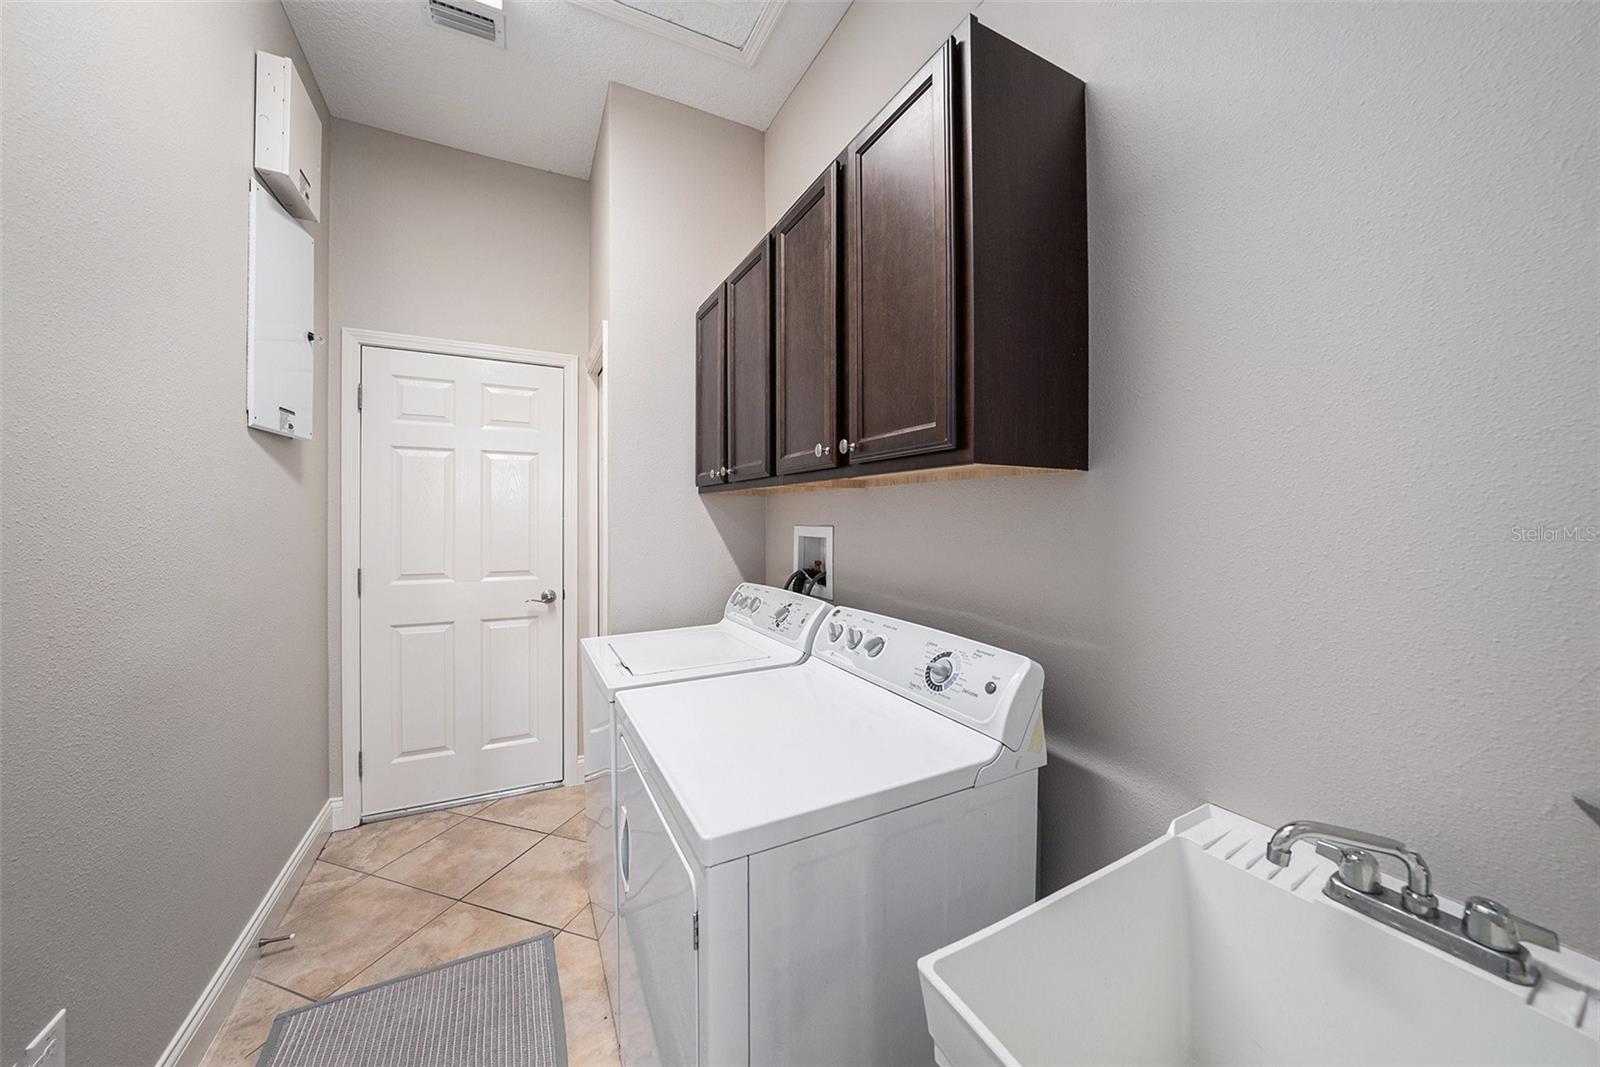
x,y
682,199
1344,334
437,242
163,651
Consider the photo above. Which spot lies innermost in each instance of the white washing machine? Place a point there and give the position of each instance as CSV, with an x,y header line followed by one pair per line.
x,y
761,628
791,841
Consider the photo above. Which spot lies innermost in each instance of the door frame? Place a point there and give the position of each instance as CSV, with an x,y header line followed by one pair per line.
x,y
342,581
598,474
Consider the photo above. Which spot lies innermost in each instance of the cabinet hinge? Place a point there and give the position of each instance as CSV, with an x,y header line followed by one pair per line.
x,y
359,395
358,581
361,764
697,931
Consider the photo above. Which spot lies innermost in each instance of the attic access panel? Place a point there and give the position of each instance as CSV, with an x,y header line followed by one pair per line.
x,y
732,31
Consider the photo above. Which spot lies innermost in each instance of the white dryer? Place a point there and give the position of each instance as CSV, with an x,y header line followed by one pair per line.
x,y
761,628
791,841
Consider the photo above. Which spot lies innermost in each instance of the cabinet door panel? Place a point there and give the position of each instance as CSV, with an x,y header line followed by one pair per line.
x,y
749,291
711,432
806,280
901,230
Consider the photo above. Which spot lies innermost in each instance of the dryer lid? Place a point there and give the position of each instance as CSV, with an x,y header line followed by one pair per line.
x,y
753,761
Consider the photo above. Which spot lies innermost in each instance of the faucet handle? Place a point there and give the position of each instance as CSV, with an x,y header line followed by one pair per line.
x,y
1492,925
1358,868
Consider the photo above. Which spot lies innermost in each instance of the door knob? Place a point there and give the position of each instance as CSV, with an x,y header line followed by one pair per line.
x,y
845,446
722,472
546,597
818,450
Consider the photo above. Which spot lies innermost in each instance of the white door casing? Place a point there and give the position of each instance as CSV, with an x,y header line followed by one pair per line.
x,y
462,496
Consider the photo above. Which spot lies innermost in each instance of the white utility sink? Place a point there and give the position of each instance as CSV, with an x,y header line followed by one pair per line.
x,y
1196,950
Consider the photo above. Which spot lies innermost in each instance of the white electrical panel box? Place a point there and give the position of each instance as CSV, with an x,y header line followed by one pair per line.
x,y
288,137
280,331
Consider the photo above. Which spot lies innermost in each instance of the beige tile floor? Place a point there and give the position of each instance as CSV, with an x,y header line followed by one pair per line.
x,y
400,895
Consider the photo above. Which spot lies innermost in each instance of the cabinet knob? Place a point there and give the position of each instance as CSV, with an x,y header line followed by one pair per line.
x,y
845,446
818,450
722,472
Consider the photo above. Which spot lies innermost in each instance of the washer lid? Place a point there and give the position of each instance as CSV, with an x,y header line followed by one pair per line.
x,y
697,647
659,657
752,761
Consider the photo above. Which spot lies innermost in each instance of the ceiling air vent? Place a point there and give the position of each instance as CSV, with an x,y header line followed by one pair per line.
x,y
485,19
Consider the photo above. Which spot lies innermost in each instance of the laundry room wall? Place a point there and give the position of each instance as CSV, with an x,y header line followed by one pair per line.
x,y
1343,336
680,196
164,645
438,242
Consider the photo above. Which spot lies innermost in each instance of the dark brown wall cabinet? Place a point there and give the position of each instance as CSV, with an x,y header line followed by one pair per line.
x,y
749,290
901,230
806,255
957,344
710,405
733,376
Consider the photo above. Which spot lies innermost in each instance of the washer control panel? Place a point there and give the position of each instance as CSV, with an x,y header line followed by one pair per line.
x,y
792,618
987,688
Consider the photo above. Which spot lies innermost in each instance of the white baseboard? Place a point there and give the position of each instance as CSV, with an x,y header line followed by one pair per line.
x,y
200,1026
345,816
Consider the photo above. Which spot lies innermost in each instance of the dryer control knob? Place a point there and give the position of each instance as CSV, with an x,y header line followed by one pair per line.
x,y
834,630
940,669
780,615
874,646
853,638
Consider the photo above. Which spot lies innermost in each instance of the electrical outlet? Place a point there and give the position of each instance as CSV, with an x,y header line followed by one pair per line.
x,y
49,1049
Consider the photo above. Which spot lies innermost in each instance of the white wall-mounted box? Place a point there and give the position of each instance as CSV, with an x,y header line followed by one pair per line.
x,y
280,333
288,137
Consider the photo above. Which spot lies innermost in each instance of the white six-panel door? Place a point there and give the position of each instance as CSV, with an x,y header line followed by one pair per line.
x,y
461,533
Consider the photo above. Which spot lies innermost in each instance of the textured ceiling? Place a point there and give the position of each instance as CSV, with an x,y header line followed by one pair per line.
x,y
537,101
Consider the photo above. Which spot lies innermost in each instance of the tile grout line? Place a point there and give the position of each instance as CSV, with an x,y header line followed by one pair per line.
x,y
474,889
284,988
441,915
387,948
537,922
408,885
530,829
407,852
342,867
463,898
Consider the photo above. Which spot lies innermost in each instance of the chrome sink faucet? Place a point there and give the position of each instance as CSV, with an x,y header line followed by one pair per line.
x,y
1417,896
1487,935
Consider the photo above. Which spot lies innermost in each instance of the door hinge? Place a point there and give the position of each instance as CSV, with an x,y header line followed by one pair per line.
x,y
358,581
361,764
697,931
360,389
